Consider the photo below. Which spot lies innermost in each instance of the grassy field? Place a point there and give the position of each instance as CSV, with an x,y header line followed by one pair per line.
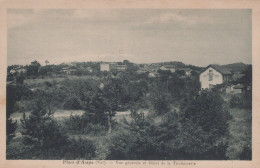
x,y
241,131
37,81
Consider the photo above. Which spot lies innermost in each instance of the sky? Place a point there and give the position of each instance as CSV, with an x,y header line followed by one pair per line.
x,y
193,36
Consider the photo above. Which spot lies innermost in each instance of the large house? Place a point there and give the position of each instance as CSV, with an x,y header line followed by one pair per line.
x,y
213,75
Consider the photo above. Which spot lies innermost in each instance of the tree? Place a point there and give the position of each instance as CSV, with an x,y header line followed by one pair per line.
x,y
45,70
247,78
41,129
206,120
13,94
147,139
161,104
33,68
180,72
20,79
112,92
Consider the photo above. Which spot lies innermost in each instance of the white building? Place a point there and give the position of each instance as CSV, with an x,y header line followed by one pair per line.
x,y
213,75
168,68
112,67
104,67
18,70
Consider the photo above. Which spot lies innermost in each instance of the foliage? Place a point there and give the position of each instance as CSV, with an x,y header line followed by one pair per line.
x,y
46,70
235,102
48,84
206,111
13,94
176,135
246,154
73,149
47,138
75,124
83,125
72,104
180,72
20,79
161,105
79,149
247,78
41,129
33,68
244,101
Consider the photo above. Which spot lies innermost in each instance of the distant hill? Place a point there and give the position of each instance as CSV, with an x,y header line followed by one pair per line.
x,y
236,67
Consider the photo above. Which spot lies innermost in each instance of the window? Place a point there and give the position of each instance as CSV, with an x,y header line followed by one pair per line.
x,y
210,75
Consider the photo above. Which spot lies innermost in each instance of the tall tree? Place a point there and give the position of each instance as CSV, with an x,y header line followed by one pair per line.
x,y
41,130
112,92
33,68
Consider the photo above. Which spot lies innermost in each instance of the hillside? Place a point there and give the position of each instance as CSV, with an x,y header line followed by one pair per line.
x,y
236,67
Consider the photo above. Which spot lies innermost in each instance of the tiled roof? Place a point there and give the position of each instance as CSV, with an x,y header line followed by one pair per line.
x,y
220,69
239,86
169,66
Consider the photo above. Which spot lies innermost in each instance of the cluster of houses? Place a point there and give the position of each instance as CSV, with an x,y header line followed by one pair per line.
x,y
18,70
151,69
212,75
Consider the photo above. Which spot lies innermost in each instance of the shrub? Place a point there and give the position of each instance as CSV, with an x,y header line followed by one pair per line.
x,y
75,124
246,154
95,129
48,84
20,79
235,102
17,150
79,149
72,104
49,140
73,149
198,132
161,105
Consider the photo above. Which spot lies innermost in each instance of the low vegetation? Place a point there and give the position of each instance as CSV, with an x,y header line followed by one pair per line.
x,y
170,118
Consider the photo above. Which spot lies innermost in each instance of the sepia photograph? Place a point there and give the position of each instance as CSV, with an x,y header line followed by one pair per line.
x,y
129,84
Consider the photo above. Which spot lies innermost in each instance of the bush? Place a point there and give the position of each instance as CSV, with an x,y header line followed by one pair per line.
x,y
73,149
95,129
198,132
75,124
49,140
72,104
48,84
246,154
79,149
20,79
17,150
82,125
161,105
235,102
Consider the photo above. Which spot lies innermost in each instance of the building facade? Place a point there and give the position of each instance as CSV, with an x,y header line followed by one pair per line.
x,y
104,67
213,75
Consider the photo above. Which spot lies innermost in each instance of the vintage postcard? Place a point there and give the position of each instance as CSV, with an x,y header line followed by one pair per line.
x,y
129,84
